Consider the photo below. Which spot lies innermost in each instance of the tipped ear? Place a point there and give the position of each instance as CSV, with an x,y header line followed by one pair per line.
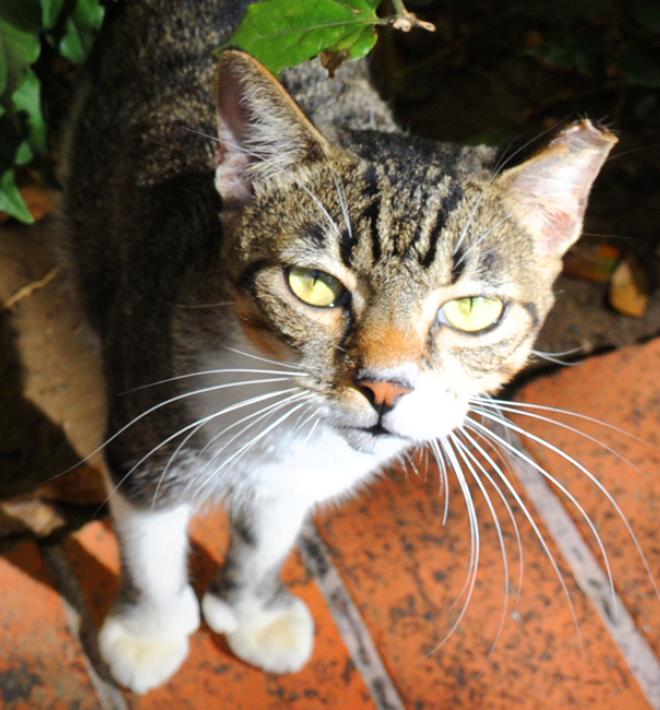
x,y
263,135
548,193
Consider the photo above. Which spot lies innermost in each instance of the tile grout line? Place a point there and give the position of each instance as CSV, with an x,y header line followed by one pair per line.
x,y
352,627
590,577
110,697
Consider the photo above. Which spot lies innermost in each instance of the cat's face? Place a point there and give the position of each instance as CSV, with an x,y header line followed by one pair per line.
x,y
404,280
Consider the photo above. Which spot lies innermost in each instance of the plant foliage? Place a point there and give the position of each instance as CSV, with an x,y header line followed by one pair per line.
x,y
69,27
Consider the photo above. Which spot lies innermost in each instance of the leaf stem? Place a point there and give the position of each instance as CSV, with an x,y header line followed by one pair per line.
x,y
405,20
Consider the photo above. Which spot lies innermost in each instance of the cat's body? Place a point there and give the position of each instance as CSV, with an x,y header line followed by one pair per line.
x,y
265,396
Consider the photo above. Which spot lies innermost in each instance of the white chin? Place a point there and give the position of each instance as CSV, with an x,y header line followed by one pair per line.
x,y
382,446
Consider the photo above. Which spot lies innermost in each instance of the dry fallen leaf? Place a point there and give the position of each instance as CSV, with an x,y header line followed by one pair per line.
x,y
629,288
593,262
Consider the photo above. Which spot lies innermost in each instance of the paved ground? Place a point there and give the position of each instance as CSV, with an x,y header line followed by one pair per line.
x,y
381,573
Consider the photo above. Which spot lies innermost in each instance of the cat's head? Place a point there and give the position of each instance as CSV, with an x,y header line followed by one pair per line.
x,y
404,276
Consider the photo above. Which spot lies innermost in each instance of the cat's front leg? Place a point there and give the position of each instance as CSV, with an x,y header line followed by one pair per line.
x,y
264,624
144,639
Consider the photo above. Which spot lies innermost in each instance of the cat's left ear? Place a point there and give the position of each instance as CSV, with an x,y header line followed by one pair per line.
x,y
548,193
263,135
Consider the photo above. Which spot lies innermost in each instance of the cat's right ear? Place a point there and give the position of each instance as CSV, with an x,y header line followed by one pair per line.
x,y
263,136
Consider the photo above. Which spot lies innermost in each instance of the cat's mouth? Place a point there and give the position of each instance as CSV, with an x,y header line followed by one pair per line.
x,y
366,439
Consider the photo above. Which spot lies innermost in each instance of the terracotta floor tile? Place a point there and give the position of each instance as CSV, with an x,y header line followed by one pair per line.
x,y
404,570
622,388
212,675
41,663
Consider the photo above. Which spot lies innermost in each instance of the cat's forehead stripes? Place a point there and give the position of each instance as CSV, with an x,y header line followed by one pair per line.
x,y
400,218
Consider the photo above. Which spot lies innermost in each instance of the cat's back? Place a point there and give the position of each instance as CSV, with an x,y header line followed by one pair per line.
x,y
139,197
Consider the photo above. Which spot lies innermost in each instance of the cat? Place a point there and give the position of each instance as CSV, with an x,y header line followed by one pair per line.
x,y
290,292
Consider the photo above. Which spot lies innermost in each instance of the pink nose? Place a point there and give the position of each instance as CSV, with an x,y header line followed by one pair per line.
x,y
383,394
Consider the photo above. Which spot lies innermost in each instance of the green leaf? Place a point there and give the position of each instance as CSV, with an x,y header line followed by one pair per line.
x,y
18,50
281,33
27,99
50,11
11,201
24,15
639,69
80,30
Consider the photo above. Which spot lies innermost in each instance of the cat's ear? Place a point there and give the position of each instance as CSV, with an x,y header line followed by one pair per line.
x,y
262,134
548,193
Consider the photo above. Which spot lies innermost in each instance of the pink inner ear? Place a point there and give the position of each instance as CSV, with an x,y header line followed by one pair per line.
x,y
232,162
548,193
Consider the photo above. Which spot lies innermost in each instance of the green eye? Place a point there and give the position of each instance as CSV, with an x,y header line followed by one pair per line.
x,y
472,313
315,287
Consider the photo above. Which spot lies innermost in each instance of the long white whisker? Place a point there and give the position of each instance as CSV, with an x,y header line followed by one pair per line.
x,y
313,428
444,480
146,413
219,371
539,535
268,360
257,155
469,459
568,427
254,441
567,412
226,410
343,204
505,502
610,498
474,541
199,426
560,486
261,414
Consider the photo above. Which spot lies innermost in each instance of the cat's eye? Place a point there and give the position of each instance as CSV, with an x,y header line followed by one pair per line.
x,y
472,313
316,288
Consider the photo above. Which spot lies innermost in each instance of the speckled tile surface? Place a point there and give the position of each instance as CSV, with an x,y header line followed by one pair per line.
x,y
36,643
405,570
622,388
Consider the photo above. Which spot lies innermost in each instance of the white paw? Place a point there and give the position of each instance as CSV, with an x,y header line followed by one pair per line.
x,y
143,646
278,640
218,614
140,662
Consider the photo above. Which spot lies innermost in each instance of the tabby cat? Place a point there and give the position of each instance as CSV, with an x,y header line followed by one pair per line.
x,y
290,292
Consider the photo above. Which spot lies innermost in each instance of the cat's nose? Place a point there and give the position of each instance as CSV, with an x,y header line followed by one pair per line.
x,y
383,394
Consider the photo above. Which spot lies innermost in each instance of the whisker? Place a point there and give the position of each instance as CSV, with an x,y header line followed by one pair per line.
x,y
444,480
471,579
265,359
257,155
219,371
530,519
245,448
226,410
154,408
549,357
567,412
469,459
506,504
610,498
203,423
568,427
561,487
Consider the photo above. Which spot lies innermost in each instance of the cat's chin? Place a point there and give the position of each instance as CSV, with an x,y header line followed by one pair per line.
x,y
373,441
